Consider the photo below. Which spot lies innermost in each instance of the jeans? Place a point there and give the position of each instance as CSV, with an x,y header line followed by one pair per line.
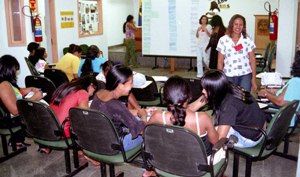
x,y
243,81
243,142
130,143
201,54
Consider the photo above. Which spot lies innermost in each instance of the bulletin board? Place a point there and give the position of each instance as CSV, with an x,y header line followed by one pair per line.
x,y
90,18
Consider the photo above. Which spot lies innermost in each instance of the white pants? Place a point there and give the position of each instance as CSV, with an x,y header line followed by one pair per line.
x,y
202,56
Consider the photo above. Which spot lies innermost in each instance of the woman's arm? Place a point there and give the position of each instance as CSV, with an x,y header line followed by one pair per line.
x,y
132,26
84,104
277,100
196,105
211,131
38,95
220,61
197,35
8,98
253,68
223,130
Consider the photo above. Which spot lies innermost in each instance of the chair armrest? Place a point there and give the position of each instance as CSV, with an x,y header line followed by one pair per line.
x,y
268,111
273,106
221,143
63,133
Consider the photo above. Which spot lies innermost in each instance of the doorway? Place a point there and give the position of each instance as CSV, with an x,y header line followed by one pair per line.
x,y
298,28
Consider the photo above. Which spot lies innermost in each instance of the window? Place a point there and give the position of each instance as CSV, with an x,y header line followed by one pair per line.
x,y
16,32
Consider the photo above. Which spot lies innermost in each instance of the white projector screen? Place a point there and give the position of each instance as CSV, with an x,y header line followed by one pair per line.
x,y
169,27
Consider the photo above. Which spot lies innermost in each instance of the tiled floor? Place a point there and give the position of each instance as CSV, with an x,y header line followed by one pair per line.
x,y
33,164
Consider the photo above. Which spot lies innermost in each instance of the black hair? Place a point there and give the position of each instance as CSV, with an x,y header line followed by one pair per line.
x,y
203,16
67,88
296,65
231,23
128,19
217,21
74,48
32,46
214,5
106,66
92,53
38,54
176,94
9,66
118,74
218,86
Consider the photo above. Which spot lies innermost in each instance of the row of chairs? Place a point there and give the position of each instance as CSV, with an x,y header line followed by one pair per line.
x,y
264,64
169,150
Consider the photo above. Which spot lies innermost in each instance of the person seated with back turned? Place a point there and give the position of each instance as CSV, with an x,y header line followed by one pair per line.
x,y
38,60
118,84
289,92
92,62
32,47
232,106
69,63
11,92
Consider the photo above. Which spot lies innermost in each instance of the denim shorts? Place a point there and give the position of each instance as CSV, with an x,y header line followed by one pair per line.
x,y
243,142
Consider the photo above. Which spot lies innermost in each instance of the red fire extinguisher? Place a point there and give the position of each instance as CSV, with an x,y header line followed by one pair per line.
x,y
273,26
38,37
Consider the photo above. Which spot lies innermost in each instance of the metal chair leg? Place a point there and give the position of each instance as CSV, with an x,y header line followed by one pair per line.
x,y
286,145
248,167
75,158
67,161
4,145
103,169
236,159
111,170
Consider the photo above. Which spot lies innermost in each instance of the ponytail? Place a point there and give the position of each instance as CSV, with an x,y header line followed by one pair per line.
x,y
124,27
128,19
178,114
87,66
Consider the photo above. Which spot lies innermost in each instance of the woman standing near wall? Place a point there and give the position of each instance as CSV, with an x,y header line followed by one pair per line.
x,y
236,54
203,34
214,10
131,55
218,31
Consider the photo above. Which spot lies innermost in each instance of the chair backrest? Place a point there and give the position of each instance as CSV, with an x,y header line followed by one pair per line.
x,y
57,76
43,83
94,131
174,150
195,87
84,48
40,121
267,51
4,117
270,59
65,50
280,124
150,93
31,68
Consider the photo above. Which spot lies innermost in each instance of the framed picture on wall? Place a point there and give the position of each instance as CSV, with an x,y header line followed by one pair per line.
x,y
90,17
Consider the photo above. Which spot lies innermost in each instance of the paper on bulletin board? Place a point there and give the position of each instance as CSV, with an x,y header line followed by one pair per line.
x,y
67,19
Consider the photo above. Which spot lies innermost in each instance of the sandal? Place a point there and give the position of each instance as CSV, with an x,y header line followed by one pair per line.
x,y
44,150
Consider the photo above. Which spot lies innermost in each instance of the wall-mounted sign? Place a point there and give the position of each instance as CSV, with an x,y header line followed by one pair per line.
x,y
67,19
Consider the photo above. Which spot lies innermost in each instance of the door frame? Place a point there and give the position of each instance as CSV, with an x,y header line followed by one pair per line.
x,y
53,30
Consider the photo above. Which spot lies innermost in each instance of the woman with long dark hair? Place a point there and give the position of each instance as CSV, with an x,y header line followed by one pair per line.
x,y
119,83
11,92
128,29
236,54
232,106
213,10
218,31
177,95
38,60
72,94
92,62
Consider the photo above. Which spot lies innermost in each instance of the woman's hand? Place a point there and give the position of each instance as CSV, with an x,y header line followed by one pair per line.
x,y
150,111
254,85
262,93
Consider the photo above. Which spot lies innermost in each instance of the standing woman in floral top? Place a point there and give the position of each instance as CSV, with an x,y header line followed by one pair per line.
x,y
131,55
236,54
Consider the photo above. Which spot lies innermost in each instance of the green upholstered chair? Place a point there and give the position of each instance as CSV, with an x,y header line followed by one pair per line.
x,y
43,83
149,96
57,76
31,68
177,152
84,48
196,88
262,62
65,50
8,127
96,134
42,125
272,138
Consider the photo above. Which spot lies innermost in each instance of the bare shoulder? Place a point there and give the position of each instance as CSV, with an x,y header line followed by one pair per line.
x,y
156,117
4,86
204,116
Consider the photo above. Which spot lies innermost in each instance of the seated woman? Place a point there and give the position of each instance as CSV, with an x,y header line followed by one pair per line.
x,y
106,66
232,106
11,92
92,62
176,95
118,84
72,94
38,60
290,91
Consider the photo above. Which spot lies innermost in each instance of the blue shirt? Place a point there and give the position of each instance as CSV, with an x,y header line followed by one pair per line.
x,y
292,93
96,65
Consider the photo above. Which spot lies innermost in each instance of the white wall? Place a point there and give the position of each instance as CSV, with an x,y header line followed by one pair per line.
x,y
18,52
286,42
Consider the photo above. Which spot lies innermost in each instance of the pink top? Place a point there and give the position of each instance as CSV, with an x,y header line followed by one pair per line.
x,y
129,32
72,100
